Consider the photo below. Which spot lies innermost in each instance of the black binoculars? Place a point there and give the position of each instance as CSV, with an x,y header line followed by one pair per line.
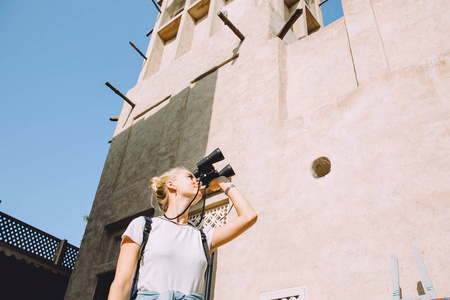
x,y
205,171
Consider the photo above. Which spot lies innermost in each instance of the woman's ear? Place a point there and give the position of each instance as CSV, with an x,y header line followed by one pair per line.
x,y
170,185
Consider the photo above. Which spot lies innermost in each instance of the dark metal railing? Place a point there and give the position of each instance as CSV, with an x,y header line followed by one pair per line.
x,y
36,242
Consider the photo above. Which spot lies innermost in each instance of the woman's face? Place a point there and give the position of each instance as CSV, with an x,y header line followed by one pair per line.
x,y
186,184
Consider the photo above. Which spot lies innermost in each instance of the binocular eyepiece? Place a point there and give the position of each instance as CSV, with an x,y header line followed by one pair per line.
x,y
205,171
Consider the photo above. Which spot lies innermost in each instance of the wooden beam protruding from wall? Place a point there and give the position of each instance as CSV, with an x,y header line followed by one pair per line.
x,y
233,28
120,94
297,13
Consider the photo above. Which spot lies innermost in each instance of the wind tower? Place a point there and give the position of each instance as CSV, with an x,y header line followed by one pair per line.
x,y
338,136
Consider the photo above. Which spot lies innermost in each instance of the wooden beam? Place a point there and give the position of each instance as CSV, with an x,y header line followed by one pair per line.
x,y
139,51
120,94
156,5
212,70
230,25
60,251
297,13
151,107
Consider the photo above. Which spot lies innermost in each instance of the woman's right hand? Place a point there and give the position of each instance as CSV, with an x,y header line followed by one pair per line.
x,y
247,215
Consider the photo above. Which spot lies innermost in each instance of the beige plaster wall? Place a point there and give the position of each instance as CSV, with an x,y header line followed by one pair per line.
x,y
370,92
412,30
387,192
320,70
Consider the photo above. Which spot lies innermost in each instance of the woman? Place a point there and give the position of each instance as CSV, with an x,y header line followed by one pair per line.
x,y
174,261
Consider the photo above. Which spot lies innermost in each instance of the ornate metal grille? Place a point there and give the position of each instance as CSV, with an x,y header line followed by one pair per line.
x,y
34,241
213,218
70,257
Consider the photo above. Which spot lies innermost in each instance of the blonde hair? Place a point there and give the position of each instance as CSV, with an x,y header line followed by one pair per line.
x,y
159,188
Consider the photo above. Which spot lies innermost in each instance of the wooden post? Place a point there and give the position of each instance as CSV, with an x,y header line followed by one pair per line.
x,y
230,25
120,94
156,5
60,252
212,70
139,51
297,13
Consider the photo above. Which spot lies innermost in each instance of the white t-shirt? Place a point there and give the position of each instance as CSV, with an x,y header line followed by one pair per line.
x,y
173,258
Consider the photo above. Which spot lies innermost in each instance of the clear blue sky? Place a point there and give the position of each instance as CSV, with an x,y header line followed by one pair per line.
x,y
55,57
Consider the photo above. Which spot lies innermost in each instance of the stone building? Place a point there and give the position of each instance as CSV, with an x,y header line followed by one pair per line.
x,y
339,135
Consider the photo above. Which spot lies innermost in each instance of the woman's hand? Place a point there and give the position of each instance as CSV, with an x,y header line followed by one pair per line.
x,y
217,183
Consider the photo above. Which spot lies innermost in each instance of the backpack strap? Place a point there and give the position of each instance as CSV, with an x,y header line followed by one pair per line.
x,y
209,260
147,229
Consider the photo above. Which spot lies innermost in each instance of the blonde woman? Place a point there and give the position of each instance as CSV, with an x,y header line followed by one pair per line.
x,y
174,263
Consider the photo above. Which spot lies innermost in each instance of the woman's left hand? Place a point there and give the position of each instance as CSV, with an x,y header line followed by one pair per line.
x,y
217,183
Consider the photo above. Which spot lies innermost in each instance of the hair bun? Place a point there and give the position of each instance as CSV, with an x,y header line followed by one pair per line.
x,y
159,188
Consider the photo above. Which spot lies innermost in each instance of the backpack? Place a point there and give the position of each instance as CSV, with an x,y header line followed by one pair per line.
x,y
209,259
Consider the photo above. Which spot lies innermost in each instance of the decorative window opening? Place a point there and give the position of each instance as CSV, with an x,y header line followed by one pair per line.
x,y
194,27
321,167
168,35
163,49
310,20
170,30
213,217
173,8
295,293
290,3
199,9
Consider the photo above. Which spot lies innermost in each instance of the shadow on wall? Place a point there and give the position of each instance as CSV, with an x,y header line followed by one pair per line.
x,y
174,135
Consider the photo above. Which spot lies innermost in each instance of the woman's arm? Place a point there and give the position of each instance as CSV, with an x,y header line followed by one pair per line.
x,y
126,266
246,214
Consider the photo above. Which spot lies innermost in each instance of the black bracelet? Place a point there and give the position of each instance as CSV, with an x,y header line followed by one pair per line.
x,y
229,188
